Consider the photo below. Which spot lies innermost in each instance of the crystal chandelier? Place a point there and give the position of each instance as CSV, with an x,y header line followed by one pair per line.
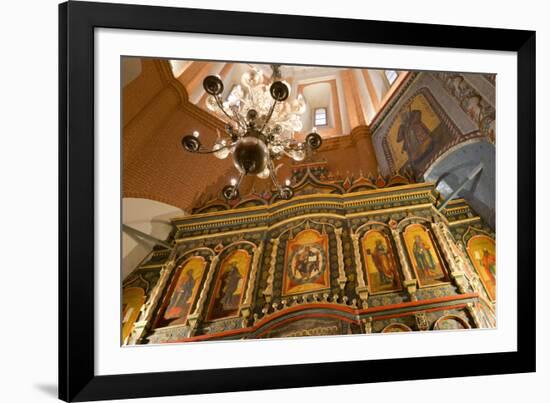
x,y
260,124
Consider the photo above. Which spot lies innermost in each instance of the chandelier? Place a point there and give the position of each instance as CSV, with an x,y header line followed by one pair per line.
x,y
260,124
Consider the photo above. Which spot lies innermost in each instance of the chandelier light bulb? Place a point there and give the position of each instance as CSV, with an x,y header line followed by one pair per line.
x,y
297,155
196,134
264,174
252,78
233,181
287,182
235,95
223,150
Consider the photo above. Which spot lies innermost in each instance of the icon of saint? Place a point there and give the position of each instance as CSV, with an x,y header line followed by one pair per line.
x,y
230,282
423,257
179,303
384,264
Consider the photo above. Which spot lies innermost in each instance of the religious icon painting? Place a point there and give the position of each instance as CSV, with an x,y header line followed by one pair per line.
x,y
381,264
132,301
424,257
230,285
183,294
417,133
306,263
481,250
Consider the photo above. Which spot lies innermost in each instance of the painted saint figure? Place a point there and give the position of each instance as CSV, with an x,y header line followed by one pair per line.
x,y
180,298
230,282
384,264
423,257
307,263
414,135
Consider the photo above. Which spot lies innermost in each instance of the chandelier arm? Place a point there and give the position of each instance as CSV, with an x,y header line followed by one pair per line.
x,y
212,151
273,177
238,184
240,121
232,118
269,116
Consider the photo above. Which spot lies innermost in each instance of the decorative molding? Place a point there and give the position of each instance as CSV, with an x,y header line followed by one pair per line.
x,y
481,112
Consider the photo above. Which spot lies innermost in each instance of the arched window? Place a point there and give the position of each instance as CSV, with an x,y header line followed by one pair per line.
x,y
391,75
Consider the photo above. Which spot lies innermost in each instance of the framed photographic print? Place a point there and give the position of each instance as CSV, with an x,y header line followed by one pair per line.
x,y
258,201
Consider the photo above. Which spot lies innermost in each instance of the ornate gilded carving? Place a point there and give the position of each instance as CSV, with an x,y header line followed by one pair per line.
x,y
245,307
410,283
268,292
342,279
348,293
367,325
451,257
197,313
362,289
473,313
422,321
144,319
481,112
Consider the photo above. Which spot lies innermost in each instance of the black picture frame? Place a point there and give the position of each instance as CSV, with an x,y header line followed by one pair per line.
x,y
77,21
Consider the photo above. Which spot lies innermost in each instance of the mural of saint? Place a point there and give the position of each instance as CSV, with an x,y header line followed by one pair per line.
x,y
481,249
306,263
230,285
185,290
417,134
424,256
381,263
414,135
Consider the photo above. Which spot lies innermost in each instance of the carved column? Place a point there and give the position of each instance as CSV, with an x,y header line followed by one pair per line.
x,y
141,325
199,308
454,260
342,279
268,292
246,306
410,281
362,288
